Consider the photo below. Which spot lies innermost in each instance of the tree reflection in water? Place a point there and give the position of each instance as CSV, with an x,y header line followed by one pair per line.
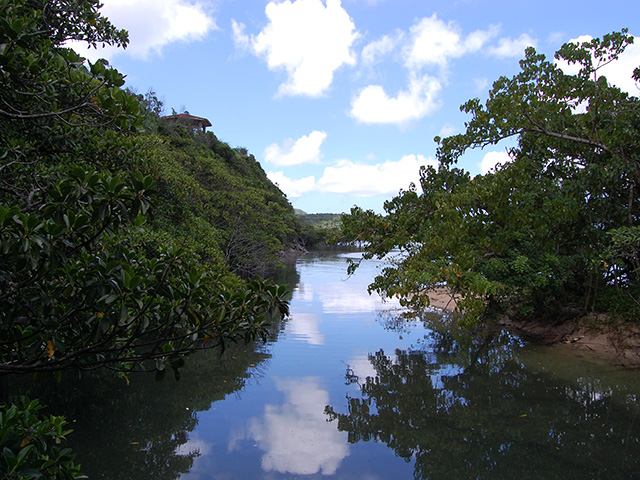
x,y
467,408
140,430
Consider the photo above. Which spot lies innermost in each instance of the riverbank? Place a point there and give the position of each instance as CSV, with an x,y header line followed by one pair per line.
x,y
292,252
594,335
442,299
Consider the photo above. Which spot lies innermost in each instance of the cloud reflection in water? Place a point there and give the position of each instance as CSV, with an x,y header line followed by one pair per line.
x,y
296,436
304,326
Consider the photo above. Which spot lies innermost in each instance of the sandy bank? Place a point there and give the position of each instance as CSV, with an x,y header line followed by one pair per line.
x,y
593,335
442,299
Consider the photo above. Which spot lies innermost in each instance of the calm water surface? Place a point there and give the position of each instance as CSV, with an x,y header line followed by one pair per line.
x,y
348,390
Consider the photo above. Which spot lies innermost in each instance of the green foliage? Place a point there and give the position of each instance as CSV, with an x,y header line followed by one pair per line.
x,y
555,226
85,280
219,201
32,444
42,80
320,228
321,220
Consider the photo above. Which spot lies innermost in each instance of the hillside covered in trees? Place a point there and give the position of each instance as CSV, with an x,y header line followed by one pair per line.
x,y
125,243
214,198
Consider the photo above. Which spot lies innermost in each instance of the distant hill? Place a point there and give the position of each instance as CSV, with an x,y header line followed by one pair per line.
x,y
320,220
319,228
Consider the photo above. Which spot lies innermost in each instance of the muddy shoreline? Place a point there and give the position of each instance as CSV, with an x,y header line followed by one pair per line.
x,y
594,336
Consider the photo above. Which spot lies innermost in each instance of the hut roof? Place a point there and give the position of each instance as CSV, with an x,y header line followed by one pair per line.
x,y
189,120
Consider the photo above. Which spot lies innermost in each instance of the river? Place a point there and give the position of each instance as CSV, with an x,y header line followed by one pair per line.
x,y
349,389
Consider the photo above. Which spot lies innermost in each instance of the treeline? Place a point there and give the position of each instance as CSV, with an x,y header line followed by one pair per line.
x,y
319,229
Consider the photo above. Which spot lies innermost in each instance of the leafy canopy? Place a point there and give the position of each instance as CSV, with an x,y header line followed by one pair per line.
x,y
86,280
31,444
558,225
78,286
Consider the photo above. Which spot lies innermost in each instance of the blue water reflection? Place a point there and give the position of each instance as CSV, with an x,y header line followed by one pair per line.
x,y
295,435
349,389
281,429
352,390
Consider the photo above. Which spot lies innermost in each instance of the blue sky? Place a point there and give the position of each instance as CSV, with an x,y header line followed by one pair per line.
x,y
340,100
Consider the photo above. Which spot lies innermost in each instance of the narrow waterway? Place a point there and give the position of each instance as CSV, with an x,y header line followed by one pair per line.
x,y
348,389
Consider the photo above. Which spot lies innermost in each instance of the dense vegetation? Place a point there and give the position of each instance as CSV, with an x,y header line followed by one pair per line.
x,y
216,199
554,232
319,228
124,244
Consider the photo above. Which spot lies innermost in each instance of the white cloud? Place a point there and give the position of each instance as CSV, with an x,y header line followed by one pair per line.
x,y
306,149
152,25
370,3
296,436
512,47
362,179
306,39
304,292
195,444
377,49
491,159
350,302
447,130
618,73
374,105
357,178
362,367
292,188
240,38
434,42
343,302
430,43
481,84
475,41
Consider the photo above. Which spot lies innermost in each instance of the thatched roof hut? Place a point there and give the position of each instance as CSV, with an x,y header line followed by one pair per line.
x,y
190,121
